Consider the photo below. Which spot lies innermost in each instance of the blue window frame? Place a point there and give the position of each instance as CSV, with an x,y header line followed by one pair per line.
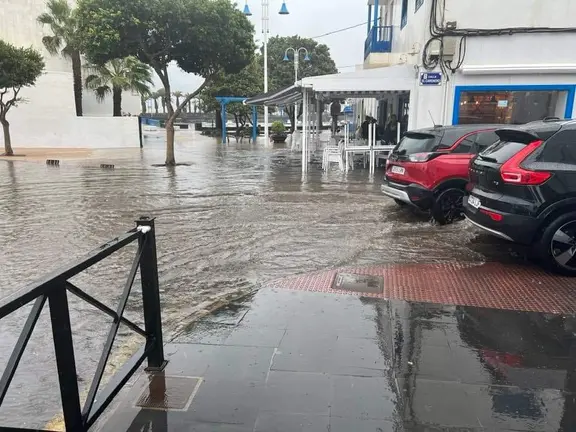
x,y
404,18
417,5
570,90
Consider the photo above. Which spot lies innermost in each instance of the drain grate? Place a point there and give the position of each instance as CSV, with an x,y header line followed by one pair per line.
x,y
168,393
358,283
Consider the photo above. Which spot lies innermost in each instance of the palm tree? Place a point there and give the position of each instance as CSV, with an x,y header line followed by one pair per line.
x,y
177,94
61,19
143,100
116,76
162,95
155,97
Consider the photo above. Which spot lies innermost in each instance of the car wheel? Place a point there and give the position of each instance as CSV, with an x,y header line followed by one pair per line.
x,y
400,203
557,245
447,207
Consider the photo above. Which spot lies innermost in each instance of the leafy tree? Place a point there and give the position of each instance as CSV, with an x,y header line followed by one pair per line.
x,y
61,19
19,67
248,82
203,37
281,73
116,76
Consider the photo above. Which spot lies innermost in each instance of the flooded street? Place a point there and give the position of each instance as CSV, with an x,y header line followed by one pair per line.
x,y
240,215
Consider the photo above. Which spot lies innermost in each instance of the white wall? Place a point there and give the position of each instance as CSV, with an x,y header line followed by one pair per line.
x,y
74,132
510,13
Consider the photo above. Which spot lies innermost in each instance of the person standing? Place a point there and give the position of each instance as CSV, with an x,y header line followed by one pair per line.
x,y
335,110
392,130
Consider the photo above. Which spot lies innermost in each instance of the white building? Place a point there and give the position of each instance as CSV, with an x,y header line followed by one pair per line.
x,y
492,61
48,116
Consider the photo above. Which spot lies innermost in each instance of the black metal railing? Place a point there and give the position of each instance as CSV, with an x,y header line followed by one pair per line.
x,y
54,288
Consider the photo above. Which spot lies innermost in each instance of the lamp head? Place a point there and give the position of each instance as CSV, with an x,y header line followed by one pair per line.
x,y
284,9
246,10
307,57
286,57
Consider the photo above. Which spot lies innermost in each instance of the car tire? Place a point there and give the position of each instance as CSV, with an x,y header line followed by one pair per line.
x,y
558,244
400,203
447,207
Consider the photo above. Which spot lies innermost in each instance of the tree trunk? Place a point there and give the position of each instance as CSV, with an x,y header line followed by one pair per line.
x,y
117,102
7,140
170,158
77,77
143,105
291,117
156,105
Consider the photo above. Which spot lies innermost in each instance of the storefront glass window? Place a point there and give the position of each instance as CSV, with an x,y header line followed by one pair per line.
x,y
510,107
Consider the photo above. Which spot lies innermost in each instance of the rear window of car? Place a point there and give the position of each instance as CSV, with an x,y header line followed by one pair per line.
x,y
417,143
501,151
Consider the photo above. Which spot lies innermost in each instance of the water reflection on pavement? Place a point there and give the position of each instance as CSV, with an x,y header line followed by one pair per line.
x,y
238,216
292,360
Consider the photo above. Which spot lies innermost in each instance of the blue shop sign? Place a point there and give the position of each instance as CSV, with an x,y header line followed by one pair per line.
x,y
431,78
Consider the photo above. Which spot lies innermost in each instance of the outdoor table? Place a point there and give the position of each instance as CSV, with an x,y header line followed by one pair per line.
x,y
378,149
360,149
371,150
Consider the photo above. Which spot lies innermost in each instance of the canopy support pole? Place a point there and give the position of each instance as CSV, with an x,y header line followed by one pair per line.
x,y
224,120
318,121
304,132
254,123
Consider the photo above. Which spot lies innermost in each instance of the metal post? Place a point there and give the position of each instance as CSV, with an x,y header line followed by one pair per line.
x,y
224,120
254,123
65,362
296,58
376,12
140,131
265,30
304,141
151,294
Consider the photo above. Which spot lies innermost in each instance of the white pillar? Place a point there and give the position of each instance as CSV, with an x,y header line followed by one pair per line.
x,y
304,131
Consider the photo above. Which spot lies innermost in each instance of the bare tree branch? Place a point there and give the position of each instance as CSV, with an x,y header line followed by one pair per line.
x,y
192,95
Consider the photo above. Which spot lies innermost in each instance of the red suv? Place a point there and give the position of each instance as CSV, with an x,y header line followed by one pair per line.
x,y
428,169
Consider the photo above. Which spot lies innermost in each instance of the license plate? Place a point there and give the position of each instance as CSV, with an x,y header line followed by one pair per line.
x,y
398,170
474,202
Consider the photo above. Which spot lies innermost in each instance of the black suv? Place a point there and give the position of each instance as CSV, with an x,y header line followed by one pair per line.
x,y
523,189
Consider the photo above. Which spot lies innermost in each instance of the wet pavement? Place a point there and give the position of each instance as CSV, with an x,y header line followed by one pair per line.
x,y
294,361
238,217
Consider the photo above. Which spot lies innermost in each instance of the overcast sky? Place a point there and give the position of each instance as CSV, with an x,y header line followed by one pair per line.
x,y
308,18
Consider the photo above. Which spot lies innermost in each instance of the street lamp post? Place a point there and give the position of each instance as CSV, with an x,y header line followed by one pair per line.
x,y
296,63
266,31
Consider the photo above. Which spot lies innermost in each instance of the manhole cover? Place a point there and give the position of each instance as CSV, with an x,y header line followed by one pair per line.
x,y
168,393
358,283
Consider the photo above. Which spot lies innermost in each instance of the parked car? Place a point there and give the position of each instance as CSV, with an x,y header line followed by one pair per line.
x,y
523,189
428,169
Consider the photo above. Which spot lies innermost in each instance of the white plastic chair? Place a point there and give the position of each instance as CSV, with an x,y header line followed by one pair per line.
x,y
333,154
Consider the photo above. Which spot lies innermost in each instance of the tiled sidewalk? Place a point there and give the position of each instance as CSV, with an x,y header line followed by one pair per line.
x,y
289,361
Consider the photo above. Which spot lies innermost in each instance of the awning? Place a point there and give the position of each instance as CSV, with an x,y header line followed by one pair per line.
x,y
283,96
365,83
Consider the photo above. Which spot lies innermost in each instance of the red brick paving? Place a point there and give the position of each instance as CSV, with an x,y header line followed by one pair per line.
x,y
494,285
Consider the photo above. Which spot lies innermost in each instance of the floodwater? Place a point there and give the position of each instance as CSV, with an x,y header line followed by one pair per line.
x,y
239,215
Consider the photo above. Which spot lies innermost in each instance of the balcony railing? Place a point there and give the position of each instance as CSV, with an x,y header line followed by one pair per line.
x,y
54,289
379,40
